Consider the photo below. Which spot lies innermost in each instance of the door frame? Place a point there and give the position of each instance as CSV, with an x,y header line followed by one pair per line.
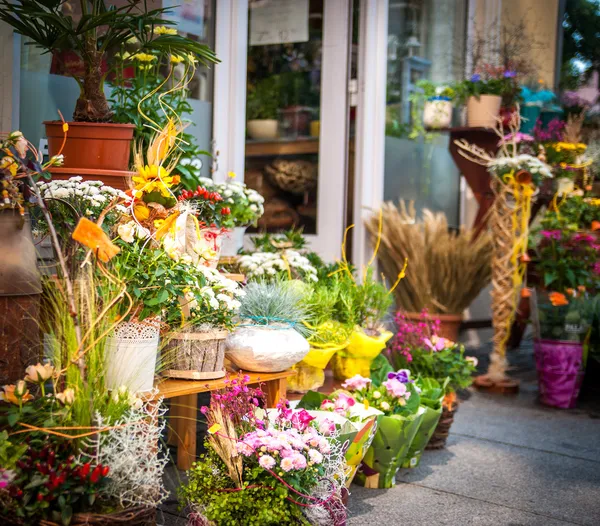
x,y
229,114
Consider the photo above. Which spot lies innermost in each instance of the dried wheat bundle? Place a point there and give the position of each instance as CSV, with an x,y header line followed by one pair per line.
x,y
446,270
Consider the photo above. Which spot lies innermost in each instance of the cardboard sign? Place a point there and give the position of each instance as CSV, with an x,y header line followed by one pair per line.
x,y
278,22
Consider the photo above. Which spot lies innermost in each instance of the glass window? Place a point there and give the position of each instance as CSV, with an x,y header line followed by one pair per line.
x,y
46,85
426,40
283,105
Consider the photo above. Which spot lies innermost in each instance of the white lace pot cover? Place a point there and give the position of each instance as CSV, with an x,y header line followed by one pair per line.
x,y
130,355
265,349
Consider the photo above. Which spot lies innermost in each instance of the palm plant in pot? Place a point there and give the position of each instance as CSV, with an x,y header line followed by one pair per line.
x,y
453,267
94,142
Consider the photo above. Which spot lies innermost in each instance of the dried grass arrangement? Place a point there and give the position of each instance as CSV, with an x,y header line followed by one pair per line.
x,y
449,269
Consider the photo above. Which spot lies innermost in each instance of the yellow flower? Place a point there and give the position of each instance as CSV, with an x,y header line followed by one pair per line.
x,y
154,179
36,374
192,58
176,59
162,30
231,175
10,163
215,428
141,211
67,397
144,57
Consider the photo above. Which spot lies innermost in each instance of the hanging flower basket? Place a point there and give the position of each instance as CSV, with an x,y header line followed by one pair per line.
x,y
130,354
357,357
196,355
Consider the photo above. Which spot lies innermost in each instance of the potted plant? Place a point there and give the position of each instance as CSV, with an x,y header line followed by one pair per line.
x,y
246,206
94,142
275,467
262,104
418,347
454,266
437,104
399,401
270,337
483,94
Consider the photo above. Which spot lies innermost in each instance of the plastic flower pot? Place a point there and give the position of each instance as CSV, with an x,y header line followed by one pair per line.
x,y
388,450
209,245
482,112
437,113
310,372
357,357
560,367
431,417
530,113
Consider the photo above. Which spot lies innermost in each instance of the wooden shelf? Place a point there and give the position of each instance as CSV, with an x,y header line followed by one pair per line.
x,y
308,145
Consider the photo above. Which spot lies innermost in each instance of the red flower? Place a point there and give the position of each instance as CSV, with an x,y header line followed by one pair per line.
x,y
96,474
105,471
85,469
225,211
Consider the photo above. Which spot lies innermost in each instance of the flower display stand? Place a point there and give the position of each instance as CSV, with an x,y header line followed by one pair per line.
x,y
184,406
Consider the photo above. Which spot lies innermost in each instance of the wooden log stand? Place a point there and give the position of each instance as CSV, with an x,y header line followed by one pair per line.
x,y
184,406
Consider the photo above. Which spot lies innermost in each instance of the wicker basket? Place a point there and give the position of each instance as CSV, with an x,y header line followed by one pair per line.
x,y
197,355
442,430
138,516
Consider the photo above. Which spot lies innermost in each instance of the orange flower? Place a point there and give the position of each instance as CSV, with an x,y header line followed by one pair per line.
x,y
16,394
90,235
525,258
581,288
595,225
558,299
525,292
571,292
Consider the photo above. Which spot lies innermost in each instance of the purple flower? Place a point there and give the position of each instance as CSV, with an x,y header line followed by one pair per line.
x,y
516,137
476,77
510,74
552,234
302,419
395,388
403,375
584,238
597,268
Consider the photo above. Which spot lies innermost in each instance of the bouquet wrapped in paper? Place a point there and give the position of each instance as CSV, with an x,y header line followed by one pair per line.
x,y
399,399
357,357
432,395
356,425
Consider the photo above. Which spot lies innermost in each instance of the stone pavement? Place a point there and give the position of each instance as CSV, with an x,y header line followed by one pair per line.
x,y
509,462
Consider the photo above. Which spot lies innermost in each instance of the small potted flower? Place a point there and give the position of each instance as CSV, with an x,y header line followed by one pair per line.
x,y
262,106
437,108
271,335
398,398
417,346
246,206
365,305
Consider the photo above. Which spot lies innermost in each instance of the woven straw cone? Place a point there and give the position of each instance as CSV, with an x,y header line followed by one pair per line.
x,y
504,266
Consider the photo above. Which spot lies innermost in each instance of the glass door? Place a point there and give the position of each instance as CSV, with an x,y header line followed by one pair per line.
x,y
297,116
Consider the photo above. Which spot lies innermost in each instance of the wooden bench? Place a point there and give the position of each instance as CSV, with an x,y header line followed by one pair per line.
x,y
184,409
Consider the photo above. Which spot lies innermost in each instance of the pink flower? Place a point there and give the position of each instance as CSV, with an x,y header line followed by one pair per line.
x,y
324,446
301,419
356,383
473,360
287,464
299,461
395,387
326,427
343,403
552,234
266,461
315,456
327,405
436,343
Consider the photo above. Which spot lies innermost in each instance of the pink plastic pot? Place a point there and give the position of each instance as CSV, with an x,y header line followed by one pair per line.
x,y
560,372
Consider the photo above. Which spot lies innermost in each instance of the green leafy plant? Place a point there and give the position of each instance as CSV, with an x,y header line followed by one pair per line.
x,y
263,98
568,320
100,28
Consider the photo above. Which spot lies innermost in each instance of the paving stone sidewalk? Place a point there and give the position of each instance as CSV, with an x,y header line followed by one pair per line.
x,y
509,462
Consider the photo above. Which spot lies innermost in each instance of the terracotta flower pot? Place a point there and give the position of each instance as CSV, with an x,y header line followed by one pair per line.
x,y
449,324
92,150
483,112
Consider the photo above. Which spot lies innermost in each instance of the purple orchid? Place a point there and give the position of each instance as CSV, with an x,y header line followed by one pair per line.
x,y
403,375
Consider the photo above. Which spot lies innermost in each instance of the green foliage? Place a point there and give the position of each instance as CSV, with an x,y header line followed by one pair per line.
x,y
132,104
252,506
293,238
275,303
571,322
263,99
10,452
430,89
448,365
432,391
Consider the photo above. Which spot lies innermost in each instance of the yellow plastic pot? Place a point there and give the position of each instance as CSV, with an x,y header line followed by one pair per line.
x,y
357,357
310,373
